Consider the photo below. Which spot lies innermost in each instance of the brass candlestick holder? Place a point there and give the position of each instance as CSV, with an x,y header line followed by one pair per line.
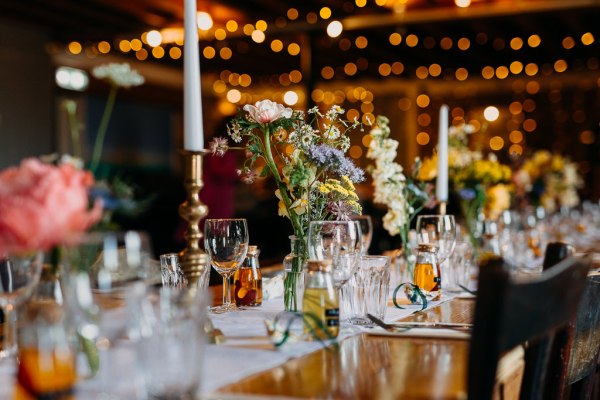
x,y
194,261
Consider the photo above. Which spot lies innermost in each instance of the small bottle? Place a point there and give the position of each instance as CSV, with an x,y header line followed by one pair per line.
x,y
427,272
248,280
321,300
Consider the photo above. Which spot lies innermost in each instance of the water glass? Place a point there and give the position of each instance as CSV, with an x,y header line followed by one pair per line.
x,y
170,341
171,273
367,291
457,271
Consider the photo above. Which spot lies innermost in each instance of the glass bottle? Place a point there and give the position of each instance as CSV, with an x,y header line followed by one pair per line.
x,y
247,280
46,365
321,302
427,272
293,265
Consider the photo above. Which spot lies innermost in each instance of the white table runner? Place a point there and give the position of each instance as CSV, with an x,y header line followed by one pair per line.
x,y
224,364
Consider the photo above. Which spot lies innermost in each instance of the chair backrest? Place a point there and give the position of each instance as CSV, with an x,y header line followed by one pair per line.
x,y
509,313
556,252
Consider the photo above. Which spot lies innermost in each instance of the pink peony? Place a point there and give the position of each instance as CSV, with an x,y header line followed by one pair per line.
x,y
266,111
42,205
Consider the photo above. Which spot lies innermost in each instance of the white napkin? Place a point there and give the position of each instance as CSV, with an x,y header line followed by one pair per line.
x,y
273,287
438,333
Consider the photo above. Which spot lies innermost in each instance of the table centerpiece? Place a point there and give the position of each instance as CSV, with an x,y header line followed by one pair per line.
x,y
305,155
403,195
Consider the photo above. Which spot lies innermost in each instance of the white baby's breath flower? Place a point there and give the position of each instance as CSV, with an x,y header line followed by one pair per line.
x,y
120,75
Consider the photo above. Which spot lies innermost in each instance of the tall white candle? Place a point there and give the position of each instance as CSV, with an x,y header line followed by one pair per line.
x,y
441,189
193,138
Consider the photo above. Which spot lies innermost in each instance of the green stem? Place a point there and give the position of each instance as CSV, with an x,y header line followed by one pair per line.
x,y
74,130
280,184
110,103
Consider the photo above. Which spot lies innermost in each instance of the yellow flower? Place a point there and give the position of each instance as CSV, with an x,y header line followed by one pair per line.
x,y
324,189
542,158
498,200
558,163
299,205
428,169
352,195
355,206
347,183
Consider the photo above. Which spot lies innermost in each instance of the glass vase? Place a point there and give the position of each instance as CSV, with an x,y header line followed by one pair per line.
x,y
403,266
293,283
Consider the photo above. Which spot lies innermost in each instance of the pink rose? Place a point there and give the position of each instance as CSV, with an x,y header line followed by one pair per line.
x,y
42,205
266,111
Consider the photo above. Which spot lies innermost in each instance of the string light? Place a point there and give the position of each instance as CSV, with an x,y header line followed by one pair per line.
x,y
334,29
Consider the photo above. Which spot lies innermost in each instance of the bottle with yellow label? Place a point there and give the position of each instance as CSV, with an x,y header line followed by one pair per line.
x,y
427,272
321,301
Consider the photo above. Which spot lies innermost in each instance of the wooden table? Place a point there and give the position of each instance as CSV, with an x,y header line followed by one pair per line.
x,y
378,367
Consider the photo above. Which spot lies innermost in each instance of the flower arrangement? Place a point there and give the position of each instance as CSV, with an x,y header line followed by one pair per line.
x,y
118,76
549,180
44,205
117,195
404,196
482,184
314,179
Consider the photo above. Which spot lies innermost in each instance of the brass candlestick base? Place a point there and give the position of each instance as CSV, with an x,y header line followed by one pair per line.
x,y
194,261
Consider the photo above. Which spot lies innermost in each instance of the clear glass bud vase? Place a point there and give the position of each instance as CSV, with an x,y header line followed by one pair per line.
x,y
293,265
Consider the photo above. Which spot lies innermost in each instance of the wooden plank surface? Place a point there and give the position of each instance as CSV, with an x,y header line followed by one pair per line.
x,y
368,367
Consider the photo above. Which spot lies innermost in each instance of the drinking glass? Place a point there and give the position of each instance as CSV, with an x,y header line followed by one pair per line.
x,y
18,277
101,270
171,273
368,289
366,229
439,230
226,242
458,274
339,241
170,341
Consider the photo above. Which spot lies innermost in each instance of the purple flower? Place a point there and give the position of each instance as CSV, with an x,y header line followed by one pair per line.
x,y
467,194
332,159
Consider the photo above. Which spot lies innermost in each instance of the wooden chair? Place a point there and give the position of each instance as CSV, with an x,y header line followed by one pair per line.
x,y
509,313
576,349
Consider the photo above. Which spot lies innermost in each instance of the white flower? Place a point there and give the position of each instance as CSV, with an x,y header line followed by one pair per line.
x,y
266,111
234,130
333,112
120,75
332,133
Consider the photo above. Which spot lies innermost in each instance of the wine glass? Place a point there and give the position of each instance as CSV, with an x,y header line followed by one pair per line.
x,y
339,241
101,271
226,242
366,229
19,276
439,230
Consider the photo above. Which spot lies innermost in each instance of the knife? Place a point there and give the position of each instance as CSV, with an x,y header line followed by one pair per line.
x,y
411,325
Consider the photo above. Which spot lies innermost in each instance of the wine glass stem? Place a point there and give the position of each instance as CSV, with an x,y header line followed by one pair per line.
x,y
226,291
10,330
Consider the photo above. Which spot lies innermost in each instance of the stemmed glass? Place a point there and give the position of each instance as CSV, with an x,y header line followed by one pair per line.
x,y
366,229
18,277
226,242
439,230
339,241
